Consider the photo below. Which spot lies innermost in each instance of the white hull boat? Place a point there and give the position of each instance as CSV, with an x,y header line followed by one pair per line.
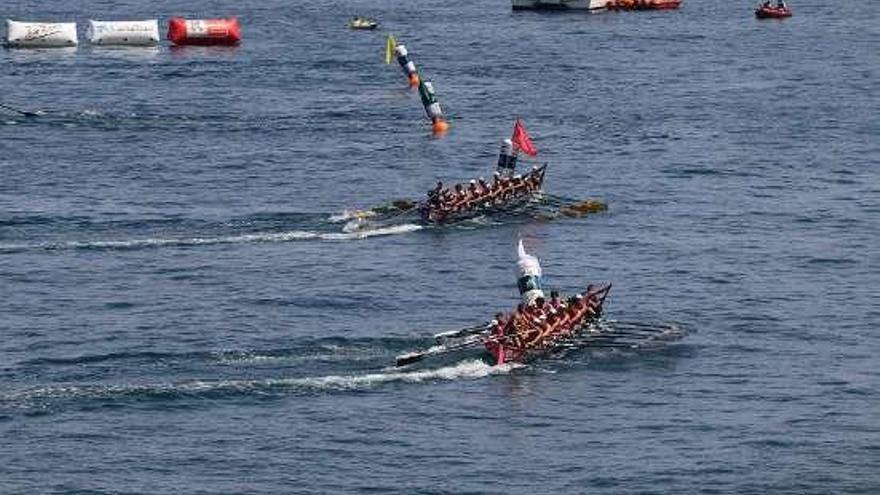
x,y
559,4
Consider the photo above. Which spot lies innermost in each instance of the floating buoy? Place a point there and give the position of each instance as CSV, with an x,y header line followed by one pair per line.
x,y
142,33
440,126
204,32
40,34
432,108
409,68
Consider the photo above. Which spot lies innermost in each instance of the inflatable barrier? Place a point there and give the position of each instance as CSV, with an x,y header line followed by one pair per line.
x,y
204,32
40,34
139,33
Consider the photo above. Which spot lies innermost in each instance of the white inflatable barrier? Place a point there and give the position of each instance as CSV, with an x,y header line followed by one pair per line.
x,y
140,33
40,34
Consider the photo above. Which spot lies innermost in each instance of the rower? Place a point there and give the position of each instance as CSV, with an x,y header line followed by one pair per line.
x,y
555,301
518,183
472,192
483,186
498,325
563,327
533,332
435,195
517,323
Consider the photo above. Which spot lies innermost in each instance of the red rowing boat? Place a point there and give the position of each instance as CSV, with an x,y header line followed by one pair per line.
x,y
518,347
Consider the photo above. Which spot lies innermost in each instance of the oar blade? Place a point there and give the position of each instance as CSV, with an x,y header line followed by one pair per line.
x,y
407,359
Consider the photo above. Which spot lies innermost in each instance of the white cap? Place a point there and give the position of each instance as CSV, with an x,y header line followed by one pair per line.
x,y
517,176
482,179
493,322
496,174
579,296
473,181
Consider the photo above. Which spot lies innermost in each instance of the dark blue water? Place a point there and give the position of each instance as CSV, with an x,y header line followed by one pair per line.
x,y
182,311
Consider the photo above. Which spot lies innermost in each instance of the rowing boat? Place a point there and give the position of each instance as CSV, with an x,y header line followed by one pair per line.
x,y
511,348
487,203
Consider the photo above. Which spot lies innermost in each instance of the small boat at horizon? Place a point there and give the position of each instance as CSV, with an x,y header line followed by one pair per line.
x,y
767,11
362,23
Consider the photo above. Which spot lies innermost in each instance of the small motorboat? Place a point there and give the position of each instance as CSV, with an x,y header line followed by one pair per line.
x,y
362,23
770,12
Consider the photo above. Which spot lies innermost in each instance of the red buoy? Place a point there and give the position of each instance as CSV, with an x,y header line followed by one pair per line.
x,y
204,32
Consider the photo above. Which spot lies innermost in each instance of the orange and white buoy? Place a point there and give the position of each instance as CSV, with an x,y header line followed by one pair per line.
x,y
409,68
432,107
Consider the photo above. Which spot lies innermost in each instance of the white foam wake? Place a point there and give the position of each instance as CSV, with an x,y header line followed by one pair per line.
x,y
360,232
347,215
468,369
296,235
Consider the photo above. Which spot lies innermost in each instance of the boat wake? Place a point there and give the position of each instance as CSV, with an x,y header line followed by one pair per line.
x,y
47,398
398,217
256,237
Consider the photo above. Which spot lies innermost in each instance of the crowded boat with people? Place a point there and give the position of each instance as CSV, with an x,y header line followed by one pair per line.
x,y
479,196
507,189
536,327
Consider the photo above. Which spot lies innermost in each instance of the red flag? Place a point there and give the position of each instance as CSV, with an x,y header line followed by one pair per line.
x,y
522,140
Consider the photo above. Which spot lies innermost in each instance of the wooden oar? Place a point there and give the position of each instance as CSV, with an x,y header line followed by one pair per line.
x,y
412,357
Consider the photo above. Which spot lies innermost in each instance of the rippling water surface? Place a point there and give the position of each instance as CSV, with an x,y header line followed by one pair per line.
x,y
184,307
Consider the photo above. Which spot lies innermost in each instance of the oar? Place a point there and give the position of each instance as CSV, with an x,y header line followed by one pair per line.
x,y
646,327
25,113
412,357
461,332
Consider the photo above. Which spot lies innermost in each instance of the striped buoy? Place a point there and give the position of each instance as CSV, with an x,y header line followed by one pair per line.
x,y
432,107
409,68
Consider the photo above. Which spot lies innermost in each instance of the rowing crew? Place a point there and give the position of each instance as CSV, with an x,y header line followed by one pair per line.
x,y
481,193
536,323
